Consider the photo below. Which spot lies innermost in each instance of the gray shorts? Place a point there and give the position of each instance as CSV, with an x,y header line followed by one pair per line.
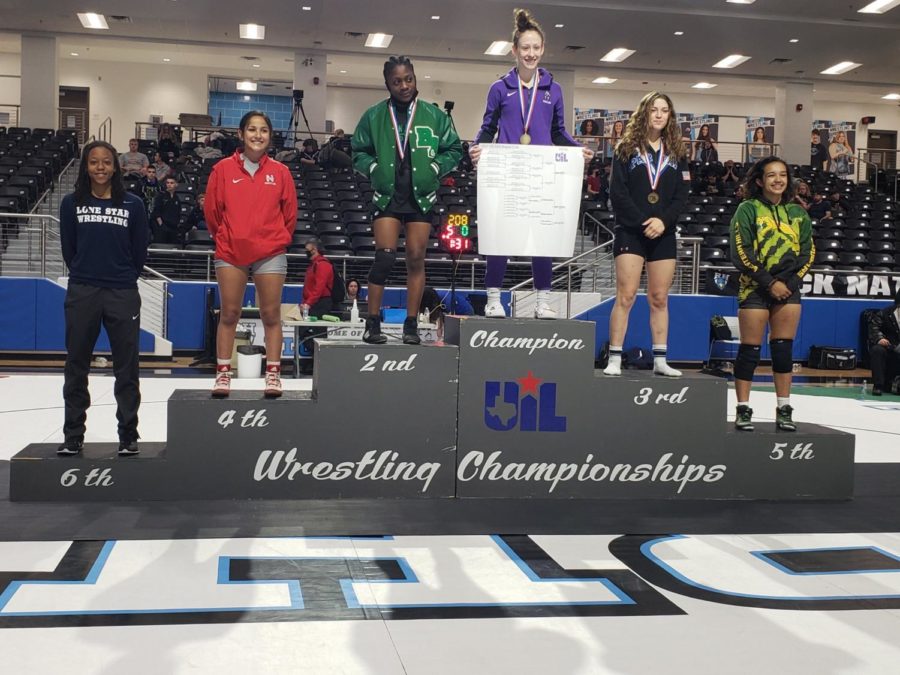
x,y
276,264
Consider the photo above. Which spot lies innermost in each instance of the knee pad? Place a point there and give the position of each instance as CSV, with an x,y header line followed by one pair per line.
x,y
782,355
746,362
381,268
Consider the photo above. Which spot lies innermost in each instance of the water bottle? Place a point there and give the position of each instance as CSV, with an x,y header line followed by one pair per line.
x,y
304,312
862,391
354,312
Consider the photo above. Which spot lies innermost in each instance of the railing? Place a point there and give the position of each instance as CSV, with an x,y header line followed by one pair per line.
x,y
104,131
198,134
40,231
884,164
10,114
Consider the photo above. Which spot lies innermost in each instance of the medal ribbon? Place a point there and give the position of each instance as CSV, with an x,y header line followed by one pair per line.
x,y
402,142
654,174
526,119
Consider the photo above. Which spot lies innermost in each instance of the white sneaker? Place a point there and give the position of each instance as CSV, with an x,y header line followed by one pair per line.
x,y
494,310
666,370
542,310
613,369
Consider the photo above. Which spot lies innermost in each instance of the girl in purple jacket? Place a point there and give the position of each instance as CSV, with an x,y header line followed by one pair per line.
x,y
524,106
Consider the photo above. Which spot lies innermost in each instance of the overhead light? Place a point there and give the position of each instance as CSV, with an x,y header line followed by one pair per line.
x,y
617,55
92,20
559,25
166,59
879,7
253,31
306,8
731,61
741,2
793,40
891,97
73,54
246,98
379,40
435,17
604,80
499,48
245,85
679,32
841,68
428,77
703,85
256,65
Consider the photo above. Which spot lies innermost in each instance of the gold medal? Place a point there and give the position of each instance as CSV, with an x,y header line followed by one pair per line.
x,y
653,197
525,139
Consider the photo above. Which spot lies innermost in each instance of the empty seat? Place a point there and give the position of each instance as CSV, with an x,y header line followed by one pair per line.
x,y
881,259
852,259
854,245
826,258
710,254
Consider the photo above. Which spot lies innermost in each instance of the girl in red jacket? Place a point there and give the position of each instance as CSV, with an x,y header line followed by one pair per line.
x,y
251,209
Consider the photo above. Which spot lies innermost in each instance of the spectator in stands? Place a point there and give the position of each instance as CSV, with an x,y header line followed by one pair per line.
x,y
166,215
884,347
838,202
104,234
731,173
133,163
818,153
649,189
711,186
820,208
309,153
772,247
251,209
841,154
318,282
197,218
405,166
335,154
705,147
593,185
167,143
739,192
802,195
465,162
519,89
162,168
150,186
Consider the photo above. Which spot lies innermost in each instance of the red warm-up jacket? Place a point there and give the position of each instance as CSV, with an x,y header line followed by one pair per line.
x,y
318,280
250,217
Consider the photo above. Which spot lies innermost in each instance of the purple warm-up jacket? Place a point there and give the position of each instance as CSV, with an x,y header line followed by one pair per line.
x,y
504,112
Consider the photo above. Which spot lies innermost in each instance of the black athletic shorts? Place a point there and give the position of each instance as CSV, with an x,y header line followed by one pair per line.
x,y
403,217
631,241
759,299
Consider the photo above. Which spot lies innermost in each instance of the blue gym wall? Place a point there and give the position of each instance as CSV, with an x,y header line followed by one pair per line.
x,y
31,319
233,106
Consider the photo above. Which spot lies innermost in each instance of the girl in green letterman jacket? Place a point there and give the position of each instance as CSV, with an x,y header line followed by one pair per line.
x,y
404,146
772,247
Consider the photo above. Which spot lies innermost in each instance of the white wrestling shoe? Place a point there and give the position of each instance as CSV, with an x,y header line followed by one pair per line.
x,y
494,308
542,309
613,369
665,370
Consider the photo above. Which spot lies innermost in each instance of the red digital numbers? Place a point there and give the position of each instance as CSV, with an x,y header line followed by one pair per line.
x,y
456,233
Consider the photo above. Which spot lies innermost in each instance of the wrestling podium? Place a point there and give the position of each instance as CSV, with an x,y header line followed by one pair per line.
x,y
505,408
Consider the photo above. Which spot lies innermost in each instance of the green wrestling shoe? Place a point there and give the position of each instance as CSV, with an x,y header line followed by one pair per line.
x,y
743,419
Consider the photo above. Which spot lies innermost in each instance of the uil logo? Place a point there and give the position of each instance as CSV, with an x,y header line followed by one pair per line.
x,y
525,404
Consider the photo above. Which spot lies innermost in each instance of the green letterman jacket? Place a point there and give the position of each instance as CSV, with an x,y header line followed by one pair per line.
x,y
434,144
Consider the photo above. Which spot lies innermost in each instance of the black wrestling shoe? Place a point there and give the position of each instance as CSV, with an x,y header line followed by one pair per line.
x,y
743,419
876,391
71,446
783,418
411,331
128,448
372,334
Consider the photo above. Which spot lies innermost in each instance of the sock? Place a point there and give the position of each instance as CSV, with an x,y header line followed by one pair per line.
x,y
781,402
615,355
223,364
659,354
273,366
746,403
493,295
